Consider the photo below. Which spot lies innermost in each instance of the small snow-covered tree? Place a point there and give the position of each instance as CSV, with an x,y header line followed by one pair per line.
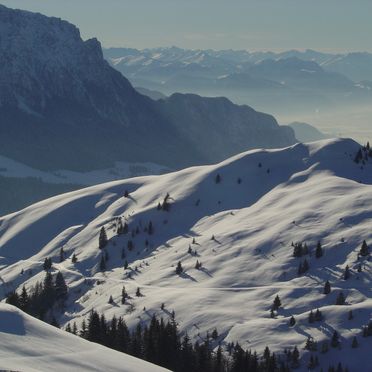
x,y
327,287
179,268
364,250
276,303
102,240
318,250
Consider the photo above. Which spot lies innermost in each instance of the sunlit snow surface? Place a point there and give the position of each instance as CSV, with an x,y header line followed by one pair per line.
x,y
265,200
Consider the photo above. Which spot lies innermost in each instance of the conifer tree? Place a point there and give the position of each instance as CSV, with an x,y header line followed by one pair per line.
x,y
340,300
354,343
327,287
74,258
318,250
61,255
24,300
60,286
74,328
295,357
364,250
347,273
47,264
102,240
179,268
138,292
124,295
318,315
150,228
350,315
335,341
311,317
292,321
276,303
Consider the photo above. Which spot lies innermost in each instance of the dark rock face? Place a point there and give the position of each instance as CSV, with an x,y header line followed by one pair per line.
x,y
63,106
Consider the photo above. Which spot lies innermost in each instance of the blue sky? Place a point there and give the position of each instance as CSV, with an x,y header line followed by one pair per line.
x,y
326,25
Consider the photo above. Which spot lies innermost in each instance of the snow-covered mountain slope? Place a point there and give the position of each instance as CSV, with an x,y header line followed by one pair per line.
x,y
21,185
239,217
28,344
14,169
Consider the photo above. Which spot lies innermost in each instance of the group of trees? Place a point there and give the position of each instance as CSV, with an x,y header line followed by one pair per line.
x,y
301,249
41,298
160,342
363,154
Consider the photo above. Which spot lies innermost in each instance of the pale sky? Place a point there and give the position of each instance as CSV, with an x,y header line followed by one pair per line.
x,y
325,25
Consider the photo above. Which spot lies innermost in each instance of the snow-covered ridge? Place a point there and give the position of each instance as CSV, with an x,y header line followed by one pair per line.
x,y
243,213
27,344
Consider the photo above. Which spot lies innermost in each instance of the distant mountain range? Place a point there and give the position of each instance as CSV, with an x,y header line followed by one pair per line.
x,y
289,81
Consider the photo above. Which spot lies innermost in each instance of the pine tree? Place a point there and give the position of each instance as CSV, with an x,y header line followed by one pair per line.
x,y
310,344
300,269
358,156
74,328
311,317
335,341
111,300
297,250
354,343
125,264
60,286
124,295
292,321
364,250
47,264
340,300
347,273
119,229
318,250
150,228
24,300
61,255
295,357
102,240
318,315
138,292
350,315
327,287
179,268
311,365
276,303
214,334
324,348
74,258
